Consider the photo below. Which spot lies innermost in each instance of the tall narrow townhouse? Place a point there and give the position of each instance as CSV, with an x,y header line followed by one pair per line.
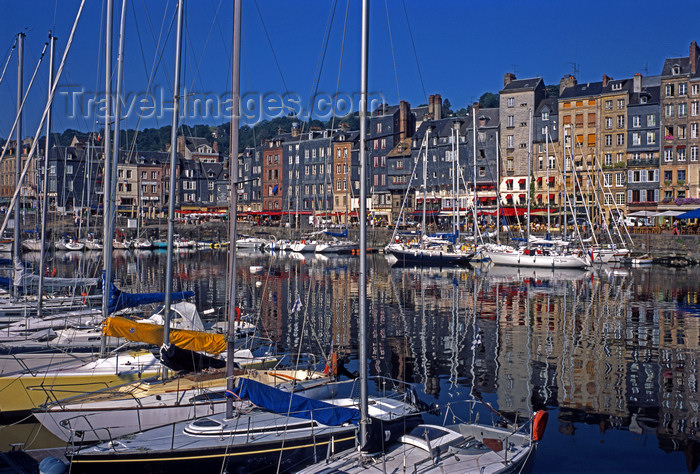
x,y
519,100
615,96
272,167
545,140
643,145
680,138
345,176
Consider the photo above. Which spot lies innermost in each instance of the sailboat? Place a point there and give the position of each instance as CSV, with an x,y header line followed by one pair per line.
x,y
542,257
292,430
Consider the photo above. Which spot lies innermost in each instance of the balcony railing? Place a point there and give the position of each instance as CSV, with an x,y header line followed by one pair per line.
x,y
643,162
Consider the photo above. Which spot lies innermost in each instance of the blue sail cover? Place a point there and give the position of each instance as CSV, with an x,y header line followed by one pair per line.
x,y
449,236
297,406
342,234
119,300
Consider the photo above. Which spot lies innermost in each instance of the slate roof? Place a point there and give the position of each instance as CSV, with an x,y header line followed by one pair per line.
x,y
522,84
652,94
586,89
552,103
684,63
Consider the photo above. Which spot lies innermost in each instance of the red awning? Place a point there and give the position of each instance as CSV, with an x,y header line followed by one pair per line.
x,y
522,196
551,179
551,196
539,179
510,212
483,199
509,196
680,146
509,181
521,181
539,196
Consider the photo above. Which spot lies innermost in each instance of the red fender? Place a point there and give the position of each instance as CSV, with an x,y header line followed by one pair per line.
x,y
539,423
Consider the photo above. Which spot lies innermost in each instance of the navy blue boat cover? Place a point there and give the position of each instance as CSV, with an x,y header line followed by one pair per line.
x,y
297,406
342,234
119,300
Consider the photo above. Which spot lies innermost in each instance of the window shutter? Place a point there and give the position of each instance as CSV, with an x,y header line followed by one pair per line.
x,y
630,175
656,177
656,195
629,195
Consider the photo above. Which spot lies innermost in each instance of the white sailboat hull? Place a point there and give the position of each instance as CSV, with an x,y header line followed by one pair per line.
x,y
519,259
609,255
31,245
304,247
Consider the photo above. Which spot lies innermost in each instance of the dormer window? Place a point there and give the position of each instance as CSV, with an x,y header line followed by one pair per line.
x,y
643,99
675,70
617,86
545,115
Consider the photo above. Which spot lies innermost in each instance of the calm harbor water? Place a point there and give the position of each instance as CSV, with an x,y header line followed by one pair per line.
x,y
611,353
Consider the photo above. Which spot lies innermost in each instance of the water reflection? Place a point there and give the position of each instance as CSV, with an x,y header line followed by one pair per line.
x,y
613,352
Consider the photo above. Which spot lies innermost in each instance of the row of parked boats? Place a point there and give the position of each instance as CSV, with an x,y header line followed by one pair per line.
x,y
78,245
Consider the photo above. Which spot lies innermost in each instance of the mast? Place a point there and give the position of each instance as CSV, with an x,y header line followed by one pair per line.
x,y
18,146
107,180
546,152
498,191
173,162
362,283
476,225
529,172
425,181
44,184
233,175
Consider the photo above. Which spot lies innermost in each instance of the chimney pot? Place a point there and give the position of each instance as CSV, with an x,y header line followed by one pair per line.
x,y
508,78
693,57
606,79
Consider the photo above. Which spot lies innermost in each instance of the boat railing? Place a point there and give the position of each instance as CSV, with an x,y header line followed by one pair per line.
x,y
75,434
53,400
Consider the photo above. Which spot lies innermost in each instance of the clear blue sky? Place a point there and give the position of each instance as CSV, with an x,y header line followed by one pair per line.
x,y
463,47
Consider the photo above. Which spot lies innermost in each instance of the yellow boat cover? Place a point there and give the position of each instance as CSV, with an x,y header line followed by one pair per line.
x,y
117,326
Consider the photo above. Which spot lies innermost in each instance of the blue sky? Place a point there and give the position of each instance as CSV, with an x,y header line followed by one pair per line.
x,y
463,47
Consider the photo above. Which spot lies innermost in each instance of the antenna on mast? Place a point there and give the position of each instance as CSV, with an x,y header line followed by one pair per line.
x,y
575,68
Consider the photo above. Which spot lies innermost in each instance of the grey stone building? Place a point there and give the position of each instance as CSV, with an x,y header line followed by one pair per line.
x,y
643,137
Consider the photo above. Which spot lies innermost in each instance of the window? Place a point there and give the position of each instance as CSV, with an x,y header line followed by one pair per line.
x,y
620,138
509,140
313,170
608,199
510,101
153,189
545,115
694,130
619,179
680,153
680,175
636,138
608,123
668,110
620,104
636,121
619,158
511,121
383,145
669,132
579,120
591,139
607,179
693,153
620,121
694,108
619,198
651,138
509,164
682,88
210,186
668,154
668,175
306,170
607,159
375,162
669,90
379,128
651,120
682,109
383,161
608,105
608,140
681,131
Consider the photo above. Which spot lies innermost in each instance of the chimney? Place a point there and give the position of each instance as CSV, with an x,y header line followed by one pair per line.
x,y
295,129
431,106
280,130
344,126
637,84
404,120
567,81
215,146
437,107
475,107
606,78
693,56
508,78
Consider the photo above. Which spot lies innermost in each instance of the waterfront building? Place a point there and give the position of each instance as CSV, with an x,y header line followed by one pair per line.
x,y
7,172
345,175
680,137
272,172
545,143
643,145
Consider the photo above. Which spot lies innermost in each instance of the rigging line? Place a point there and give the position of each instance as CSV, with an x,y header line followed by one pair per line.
x,y
153,36
21,108
342,50
204,48
319,64
154,67
272,49
9,56
415,52
393,55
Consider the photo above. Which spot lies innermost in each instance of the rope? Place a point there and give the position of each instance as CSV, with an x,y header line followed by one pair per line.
x,y
415,52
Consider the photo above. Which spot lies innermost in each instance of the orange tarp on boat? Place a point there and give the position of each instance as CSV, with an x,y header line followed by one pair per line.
x,y
117,326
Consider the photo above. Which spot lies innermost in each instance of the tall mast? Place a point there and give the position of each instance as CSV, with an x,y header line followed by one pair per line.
x,y
233,176
529,172
498,191
107,181
173,162
44,184
362,283
425,180
18,145
476,226
546,153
